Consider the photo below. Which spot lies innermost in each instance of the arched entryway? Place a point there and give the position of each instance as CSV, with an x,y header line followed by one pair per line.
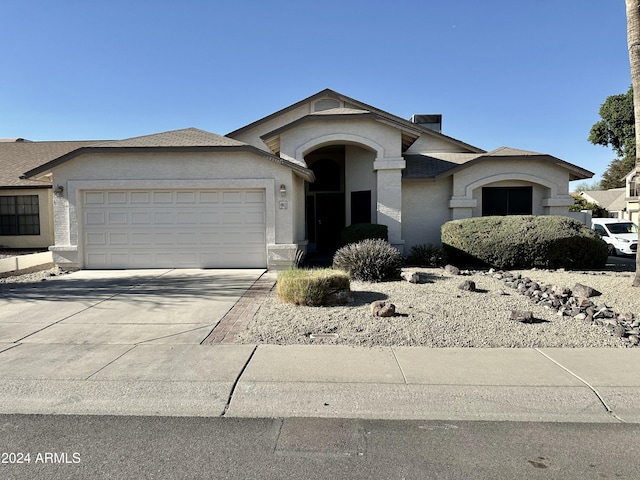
x,y
325,199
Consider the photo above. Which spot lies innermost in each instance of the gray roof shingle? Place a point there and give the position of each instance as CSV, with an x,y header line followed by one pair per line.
x,y
18,157
187,137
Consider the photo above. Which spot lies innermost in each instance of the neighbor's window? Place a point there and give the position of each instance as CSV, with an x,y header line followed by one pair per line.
x,y
633,186
19,215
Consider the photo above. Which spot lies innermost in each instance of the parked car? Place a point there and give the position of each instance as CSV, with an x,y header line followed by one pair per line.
x,y
621,235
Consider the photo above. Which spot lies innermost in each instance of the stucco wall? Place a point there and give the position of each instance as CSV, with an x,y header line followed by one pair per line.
x,y
45,203
383,139
425,207
359,176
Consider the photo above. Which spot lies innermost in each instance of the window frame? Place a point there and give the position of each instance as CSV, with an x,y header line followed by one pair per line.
x,y
19,215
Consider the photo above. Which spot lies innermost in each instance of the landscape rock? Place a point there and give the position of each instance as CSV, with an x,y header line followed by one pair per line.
x,y
411,277
522,316
580,290
619,330
451,270
468,285
383,308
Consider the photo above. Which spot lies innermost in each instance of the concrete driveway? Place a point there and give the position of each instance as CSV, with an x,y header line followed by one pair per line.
x,y
121,307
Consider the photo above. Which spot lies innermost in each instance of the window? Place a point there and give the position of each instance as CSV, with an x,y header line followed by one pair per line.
x,y
19,215
507,201
633,186
361,207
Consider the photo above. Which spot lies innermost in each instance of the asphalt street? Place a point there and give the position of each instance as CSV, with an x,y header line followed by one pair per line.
x,y
97,447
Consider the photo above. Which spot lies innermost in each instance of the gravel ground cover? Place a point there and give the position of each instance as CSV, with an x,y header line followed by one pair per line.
x,y
438,314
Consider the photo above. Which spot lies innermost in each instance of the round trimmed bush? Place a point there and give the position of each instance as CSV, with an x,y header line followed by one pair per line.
x,y
523,242
370,260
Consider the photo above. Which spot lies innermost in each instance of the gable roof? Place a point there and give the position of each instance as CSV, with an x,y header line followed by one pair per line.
x,y
188,139
18,156
355,107
438,165
612,199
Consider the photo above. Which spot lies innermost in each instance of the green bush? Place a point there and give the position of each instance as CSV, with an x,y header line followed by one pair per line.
x,y
362,231
523,242
425,255
310,287
370,260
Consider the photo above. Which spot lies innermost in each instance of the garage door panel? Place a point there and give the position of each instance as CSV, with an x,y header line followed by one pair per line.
x,y
95,218
175,229
116,198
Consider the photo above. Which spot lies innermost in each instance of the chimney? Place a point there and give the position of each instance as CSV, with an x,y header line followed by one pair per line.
x,y
430,121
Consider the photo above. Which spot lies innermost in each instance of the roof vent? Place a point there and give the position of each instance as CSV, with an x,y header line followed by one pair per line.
x,y
430,121
326,104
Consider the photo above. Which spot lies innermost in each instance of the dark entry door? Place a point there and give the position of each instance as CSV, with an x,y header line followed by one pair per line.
x,y
329,221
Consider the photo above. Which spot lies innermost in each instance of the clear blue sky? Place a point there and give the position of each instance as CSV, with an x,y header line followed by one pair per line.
x,y
527,74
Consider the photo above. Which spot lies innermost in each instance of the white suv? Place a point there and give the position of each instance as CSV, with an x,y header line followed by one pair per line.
x,y
620,235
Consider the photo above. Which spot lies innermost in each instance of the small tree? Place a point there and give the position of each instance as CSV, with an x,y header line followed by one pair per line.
x,y
580,203
616,129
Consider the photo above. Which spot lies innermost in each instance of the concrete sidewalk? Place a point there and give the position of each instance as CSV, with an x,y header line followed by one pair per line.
x,y
557,385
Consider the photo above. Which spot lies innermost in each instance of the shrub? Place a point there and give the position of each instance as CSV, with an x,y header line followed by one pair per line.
x,y
523,242
370,260
310,287
362,231
425,255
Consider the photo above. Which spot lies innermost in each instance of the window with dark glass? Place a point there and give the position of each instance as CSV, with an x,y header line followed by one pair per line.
x,y
507,201
19,215
633,186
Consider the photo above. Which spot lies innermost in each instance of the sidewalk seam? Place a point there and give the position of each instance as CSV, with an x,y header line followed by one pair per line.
x,y
404,377
235,384
591,387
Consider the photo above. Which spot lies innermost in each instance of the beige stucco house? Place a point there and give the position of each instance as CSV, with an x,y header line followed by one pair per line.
x,y
620,202
285,184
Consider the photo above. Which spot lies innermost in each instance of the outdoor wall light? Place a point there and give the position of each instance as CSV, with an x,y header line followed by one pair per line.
x,y
283,190
58,191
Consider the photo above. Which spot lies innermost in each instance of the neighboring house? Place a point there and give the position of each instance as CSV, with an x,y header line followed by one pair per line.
x,y
613,200
26,206
620,202
286,183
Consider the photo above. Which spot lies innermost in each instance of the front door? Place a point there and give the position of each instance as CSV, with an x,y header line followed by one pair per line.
x,y
329,221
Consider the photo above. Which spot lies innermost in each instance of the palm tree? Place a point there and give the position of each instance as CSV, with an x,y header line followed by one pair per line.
x,y
633,42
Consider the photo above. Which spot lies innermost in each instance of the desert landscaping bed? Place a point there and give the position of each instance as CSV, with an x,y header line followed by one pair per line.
x,y
436,313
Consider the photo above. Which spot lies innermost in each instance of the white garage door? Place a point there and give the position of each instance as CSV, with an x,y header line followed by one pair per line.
x,y
174,229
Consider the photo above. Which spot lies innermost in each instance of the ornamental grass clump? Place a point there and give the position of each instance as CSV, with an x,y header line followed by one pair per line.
x,y
370,260
310,287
